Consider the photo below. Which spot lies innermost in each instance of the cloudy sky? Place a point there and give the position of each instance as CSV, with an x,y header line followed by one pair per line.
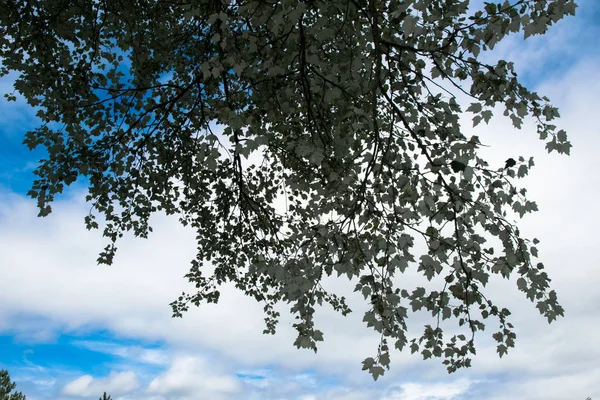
x,y
70,329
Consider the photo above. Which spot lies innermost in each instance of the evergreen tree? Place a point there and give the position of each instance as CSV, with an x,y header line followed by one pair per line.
x,y
6,386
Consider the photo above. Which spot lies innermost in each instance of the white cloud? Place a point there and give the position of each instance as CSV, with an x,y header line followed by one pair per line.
x,y
309,397
116,382
195,378
579,385
431,391
133,353
347,393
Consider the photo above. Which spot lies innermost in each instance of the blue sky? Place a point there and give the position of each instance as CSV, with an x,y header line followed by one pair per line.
x,y
71,330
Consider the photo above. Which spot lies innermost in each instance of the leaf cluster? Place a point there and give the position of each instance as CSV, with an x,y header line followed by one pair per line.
x,y
350,105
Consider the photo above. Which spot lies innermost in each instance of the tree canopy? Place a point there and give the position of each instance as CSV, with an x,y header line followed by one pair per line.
x,y
340,147
6,386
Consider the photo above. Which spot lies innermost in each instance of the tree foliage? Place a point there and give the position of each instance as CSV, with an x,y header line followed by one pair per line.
x,y
105,397
6,386
349,106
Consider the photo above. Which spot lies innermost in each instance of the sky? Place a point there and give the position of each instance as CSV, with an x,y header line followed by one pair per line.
x,y
70,329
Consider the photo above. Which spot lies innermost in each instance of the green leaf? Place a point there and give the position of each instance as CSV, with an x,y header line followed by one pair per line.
x,y
376,372
510,163
501,350
368,363
474,108
457,166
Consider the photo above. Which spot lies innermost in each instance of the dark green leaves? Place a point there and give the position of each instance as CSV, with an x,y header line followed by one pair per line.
x,y
331,154
6,387
510,163
457,166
